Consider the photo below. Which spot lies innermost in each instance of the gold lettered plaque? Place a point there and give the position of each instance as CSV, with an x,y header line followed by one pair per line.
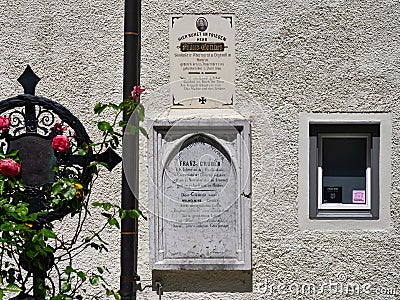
x,y
202,60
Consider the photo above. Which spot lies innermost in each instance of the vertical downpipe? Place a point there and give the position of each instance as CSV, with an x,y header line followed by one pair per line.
x,y
130,193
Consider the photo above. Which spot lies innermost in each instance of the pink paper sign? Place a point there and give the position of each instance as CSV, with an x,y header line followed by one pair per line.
x,y
359,196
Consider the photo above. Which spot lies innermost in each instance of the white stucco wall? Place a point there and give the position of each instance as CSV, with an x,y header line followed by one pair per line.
x,y
291,57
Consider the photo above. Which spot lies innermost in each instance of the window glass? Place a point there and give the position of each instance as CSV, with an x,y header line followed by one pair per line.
x,y
344,165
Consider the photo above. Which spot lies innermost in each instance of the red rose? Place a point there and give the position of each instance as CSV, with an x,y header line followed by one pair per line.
x,y
9,167
135,93
4,123
60,143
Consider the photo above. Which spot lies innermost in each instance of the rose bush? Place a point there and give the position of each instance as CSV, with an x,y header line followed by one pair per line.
x,y
23,233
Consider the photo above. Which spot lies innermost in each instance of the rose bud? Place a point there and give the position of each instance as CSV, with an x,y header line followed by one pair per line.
x,y
4,123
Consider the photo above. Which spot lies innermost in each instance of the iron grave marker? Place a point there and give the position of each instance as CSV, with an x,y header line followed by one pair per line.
x,y
38,156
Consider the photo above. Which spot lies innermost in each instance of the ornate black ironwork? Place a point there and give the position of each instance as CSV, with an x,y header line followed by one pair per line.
x,y
111,158
28,80
25,133
34,122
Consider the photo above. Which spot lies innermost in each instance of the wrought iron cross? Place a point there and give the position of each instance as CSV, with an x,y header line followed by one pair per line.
x,y
35,149
29,80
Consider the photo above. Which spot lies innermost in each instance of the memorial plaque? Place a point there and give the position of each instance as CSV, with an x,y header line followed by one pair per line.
x,y
202,60
200,215
37,157
199,189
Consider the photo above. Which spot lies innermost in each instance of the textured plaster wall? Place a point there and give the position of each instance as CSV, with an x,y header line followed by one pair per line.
x,y
291,57
76,47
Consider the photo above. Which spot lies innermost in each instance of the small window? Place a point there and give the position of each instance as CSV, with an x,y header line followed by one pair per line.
x,y
344,171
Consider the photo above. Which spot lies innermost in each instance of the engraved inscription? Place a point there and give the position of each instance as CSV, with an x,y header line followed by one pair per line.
x,y
200,202
202,62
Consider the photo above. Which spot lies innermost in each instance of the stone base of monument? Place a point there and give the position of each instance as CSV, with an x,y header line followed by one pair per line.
x,y
197,281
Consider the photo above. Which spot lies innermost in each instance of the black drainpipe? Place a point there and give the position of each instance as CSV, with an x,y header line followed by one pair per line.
x,y
129,200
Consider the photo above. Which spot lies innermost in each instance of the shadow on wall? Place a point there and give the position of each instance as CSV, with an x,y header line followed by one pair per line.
x,y
203,281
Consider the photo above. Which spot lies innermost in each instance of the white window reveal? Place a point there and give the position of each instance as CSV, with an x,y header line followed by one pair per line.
x,y
344,171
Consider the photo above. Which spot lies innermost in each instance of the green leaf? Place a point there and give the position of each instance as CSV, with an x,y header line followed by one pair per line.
x,y
1,294
13,288
65,287
13,153
35,238
117,296
95,204
98,108
107,206
56,188
69,193
113,222
11,183
48,233
9,208
122,123
95,163
144,132
82,152
104,126
100,270
76,204
48,249
1,187
22,211
7,226
140,112
68,270
81,275
94,280
133,213
122,214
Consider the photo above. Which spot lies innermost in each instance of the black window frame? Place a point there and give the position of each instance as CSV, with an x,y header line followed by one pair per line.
x,y
372,130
